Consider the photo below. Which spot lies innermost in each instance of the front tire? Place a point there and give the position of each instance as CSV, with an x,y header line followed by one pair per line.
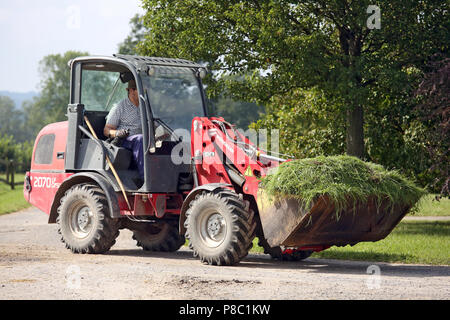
x,y
84,222
220,227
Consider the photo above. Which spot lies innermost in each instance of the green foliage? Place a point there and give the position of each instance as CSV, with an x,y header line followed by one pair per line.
x,y
433,101
407,147
309,125
277,51
11,150
136,35
24,151
7,147
280,45
239,113
344,179
18,129
9,115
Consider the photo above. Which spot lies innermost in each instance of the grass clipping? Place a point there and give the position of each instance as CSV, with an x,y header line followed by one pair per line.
x,y
345,180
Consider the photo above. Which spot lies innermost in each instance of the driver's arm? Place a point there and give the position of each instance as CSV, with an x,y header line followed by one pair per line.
x,y
110,131
112,123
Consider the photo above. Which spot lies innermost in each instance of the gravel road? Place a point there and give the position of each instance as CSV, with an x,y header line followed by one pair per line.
x,y
35,265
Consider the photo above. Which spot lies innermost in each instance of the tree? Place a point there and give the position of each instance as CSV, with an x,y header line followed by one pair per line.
x,y
322,45
10,117
309,125
433,107
137,34
239,113
11,150
51,105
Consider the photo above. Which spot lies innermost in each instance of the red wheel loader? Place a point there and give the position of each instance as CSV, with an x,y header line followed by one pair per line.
x,y
201,175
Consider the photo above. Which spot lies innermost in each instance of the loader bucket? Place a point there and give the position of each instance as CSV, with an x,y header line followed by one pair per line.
x,y
285,222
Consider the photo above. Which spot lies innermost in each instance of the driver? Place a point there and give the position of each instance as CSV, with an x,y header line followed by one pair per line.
x,y
124,121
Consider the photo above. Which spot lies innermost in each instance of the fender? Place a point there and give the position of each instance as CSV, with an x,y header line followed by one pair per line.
x,y
82,177
191,196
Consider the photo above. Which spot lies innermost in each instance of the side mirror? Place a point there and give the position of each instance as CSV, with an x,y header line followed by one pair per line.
x,y
201,73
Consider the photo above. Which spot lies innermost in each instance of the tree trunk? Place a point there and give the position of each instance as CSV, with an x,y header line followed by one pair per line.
x,y
351,45
355,132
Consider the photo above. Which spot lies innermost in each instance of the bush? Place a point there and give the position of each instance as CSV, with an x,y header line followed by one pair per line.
x,y
19,152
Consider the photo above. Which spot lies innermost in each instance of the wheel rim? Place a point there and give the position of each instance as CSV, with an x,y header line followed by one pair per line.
x,y
213,228
81,221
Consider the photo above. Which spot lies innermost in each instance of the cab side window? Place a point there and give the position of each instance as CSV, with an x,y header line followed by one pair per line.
x,y
44,149
101,90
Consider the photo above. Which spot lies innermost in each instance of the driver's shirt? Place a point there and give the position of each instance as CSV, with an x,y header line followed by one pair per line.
x,y
126,116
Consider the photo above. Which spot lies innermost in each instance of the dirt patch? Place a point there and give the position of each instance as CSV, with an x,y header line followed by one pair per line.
x,y
193,281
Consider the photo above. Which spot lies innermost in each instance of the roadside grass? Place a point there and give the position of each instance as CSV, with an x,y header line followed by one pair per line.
x,y
12,200
428,206
411,242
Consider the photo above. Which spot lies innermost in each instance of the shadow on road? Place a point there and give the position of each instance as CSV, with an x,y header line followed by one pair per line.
x,y
262,261
350,267
179,255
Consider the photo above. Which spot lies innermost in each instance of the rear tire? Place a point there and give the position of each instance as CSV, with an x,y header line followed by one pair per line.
x,y
161,236
220,227
84,221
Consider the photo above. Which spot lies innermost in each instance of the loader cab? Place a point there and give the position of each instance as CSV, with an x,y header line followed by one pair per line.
x,y
170,96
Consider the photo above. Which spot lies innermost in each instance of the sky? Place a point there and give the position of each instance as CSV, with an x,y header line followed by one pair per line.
x,y
30,30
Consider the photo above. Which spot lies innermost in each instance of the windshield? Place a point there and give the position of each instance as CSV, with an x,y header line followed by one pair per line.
x,y
175,96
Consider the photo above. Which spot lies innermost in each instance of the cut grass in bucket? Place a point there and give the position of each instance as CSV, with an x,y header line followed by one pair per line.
x,y
345,180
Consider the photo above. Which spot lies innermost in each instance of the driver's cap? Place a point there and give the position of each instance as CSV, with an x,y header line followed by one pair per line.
x,y
131,84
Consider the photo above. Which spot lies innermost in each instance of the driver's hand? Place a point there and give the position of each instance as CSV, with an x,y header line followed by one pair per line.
x,y
122,133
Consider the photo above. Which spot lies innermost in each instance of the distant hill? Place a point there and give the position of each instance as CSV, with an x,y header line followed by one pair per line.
x,y
19,97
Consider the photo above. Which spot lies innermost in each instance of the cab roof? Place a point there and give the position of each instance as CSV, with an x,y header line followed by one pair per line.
x,y
158,61
138,62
